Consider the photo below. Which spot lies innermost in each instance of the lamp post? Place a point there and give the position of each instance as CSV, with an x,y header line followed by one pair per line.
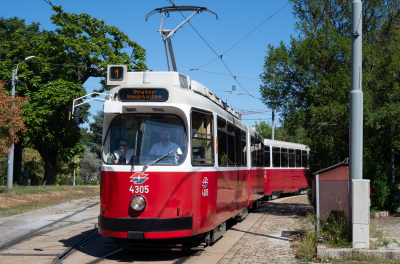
x,y
10,169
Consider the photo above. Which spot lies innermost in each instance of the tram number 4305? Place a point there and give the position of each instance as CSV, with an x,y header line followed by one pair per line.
x,y
139,189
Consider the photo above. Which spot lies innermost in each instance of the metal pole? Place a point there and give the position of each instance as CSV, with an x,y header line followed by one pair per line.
x,y
171,53
392,157
356,102
356,94
317,201
11,155
273,125
74,169
166,53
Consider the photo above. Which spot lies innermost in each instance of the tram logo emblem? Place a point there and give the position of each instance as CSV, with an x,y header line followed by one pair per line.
x,y
204,182
139,178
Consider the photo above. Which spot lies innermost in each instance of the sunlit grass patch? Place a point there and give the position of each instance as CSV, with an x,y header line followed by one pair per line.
x,y
21,199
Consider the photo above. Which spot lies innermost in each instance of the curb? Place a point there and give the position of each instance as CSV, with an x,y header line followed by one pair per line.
x,y
353,253
379,214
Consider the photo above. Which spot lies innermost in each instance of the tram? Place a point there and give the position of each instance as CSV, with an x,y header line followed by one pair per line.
x,y
285,164
189,166
177,163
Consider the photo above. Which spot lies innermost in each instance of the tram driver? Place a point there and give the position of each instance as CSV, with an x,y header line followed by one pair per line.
x,y
124,155
165,146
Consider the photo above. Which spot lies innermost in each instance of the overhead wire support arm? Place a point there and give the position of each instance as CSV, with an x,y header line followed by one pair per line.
x,y
168,9
167,33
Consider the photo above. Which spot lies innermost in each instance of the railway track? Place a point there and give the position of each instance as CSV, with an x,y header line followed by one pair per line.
x,y
179,261
93,234
43,229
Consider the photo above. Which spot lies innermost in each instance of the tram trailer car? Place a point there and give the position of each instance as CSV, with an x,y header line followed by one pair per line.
x,y
213,170
285,166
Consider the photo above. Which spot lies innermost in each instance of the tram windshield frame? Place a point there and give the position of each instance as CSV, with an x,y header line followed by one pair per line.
x,y
145,138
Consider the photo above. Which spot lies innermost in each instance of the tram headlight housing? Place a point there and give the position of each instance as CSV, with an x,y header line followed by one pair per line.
x,y
138,203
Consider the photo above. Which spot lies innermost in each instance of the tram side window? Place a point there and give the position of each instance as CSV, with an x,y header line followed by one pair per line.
x,y
304,159
238,143
276,157
231,145
253,152
298,158
292,162
222,144
202,138
267,160
284,158
260,154
244,149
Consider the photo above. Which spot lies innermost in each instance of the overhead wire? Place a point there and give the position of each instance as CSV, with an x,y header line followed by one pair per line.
x,y
220,57
226,75
56,64
246,35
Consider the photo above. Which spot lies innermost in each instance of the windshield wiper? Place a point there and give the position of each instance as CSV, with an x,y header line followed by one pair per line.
x,y
154,161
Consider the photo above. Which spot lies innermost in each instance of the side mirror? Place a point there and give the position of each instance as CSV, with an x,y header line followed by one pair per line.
x,y
73,119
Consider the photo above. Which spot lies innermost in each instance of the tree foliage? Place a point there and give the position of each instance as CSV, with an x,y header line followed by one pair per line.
x,y
81,47
11,122
264,128
96,128
90,166
32,160
309,80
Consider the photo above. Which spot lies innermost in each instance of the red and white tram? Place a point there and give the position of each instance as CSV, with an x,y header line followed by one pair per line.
x,y
178,163
285,163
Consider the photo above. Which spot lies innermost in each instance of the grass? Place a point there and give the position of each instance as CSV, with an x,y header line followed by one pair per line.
x,y
21,199
348,261
333,233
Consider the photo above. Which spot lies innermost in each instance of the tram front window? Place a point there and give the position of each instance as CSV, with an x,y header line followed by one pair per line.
x,y
143,138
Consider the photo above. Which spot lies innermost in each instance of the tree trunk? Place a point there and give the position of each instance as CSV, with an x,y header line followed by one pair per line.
x,y
50,172
50,167
17,171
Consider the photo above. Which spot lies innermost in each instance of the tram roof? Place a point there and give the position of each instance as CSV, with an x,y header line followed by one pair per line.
x,y
174,79
284,144
180,83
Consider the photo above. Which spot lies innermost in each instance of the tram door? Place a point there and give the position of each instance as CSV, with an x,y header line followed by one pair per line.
x,y
241,170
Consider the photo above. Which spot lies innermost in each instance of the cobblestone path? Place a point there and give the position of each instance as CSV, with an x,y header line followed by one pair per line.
x,y
265,241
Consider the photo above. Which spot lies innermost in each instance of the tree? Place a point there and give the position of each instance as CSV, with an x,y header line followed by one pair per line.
x,y
265,130
90,166
95,139
11,122
81,47
308,82
32,160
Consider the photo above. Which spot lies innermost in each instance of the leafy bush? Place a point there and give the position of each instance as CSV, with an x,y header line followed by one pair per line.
x,y
333,232
94,182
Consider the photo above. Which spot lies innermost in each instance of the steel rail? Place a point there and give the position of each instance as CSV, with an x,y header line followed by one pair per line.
x,y
38,231
97,260
79,244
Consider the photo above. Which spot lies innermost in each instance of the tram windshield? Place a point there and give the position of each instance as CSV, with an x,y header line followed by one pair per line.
x,y
143,138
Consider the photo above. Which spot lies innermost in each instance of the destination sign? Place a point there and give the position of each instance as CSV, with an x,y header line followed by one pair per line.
x,y
143,95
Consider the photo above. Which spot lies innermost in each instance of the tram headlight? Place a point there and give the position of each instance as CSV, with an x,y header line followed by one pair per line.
x,y
138,203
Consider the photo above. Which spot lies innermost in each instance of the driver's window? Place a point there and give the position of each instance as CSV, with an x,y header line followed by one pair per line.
x,y
143,138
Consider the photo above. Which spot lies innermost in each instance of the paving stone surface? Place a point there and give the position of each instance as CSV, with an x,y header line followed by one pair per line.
x,y
265,241
390,226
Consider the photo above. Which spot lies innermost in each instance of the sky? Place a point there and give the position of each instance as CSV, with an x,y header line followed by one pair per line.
x,y
236,19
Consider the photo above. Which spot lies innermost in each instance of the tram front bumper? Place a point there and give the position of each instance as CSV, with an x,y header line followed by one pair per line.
x,y
142,228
